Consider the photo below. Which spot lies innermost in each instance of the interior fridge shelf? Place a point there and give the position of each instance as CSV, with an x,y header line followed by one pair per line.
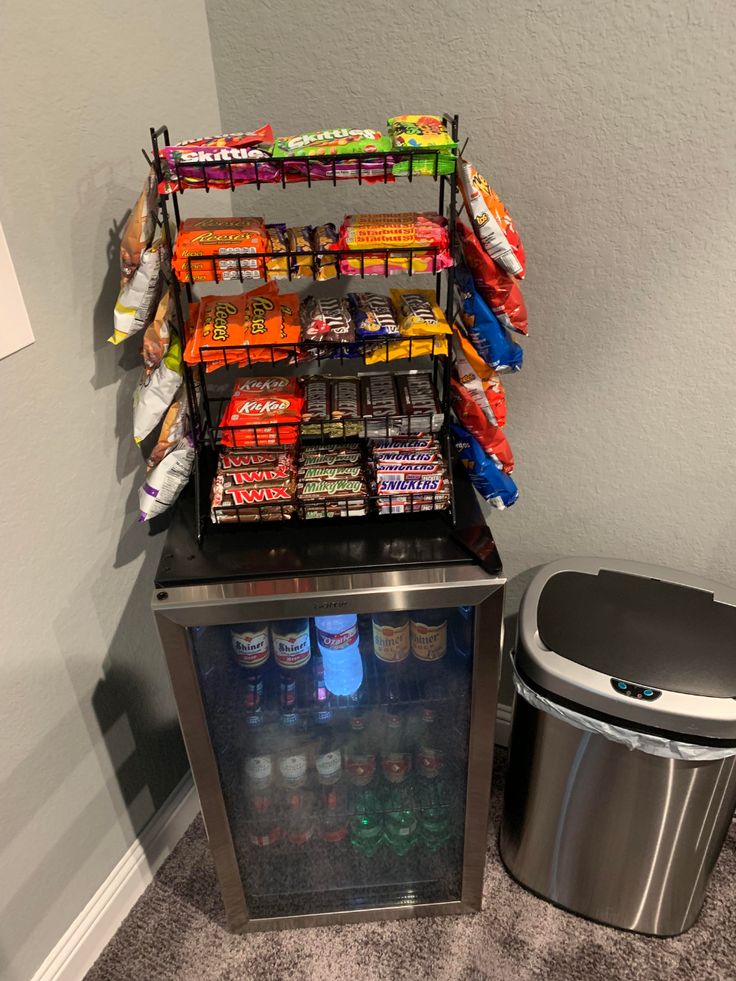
x,y
317,264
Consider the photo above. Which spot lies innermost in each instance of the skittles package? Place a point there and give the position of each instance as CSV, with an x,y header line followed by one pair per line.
x,y
490,482
412,133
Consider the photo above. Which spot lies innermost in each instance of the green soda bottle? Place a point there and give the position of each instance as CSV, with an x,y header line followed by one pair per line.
x,y
366,824
432,790
400,818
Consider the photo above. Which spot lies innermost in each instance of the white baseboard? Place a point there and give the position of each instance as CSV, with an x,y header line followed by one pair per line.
x,y
503,725
95,926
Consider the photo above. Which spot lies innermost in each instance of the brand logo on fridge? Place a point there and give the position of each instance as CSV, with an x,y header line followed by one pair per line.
x,y
332,605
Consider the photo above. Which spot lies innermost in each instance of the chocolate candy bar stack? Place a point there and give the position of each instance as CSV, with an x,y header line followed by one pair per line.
x,y
409,474
332,481
254,485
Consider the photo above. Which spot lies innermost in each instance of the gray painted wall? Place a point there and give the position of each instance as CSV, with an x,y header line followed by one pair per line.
x,y
608,131
90,741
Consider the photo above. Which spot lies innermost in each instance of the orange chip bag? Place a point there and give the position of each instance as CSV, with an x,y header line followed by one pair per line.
x,y
480,380
491,220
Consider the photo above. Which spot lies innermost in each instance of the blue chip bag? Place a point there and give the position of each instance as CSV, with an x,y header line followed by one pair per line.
x,y
490,482
492,341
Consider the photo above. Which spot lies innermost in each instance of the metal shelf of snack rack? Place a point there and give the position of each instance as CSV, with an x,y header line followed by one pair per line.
x,y
206,411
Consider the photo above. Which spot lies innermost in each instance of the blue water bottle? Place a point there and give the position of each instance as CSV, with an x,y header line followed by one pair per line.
x,y
337,639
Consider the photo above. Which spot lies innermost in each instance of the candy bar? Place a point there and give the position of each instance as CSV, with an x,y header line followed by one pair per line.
x,y
263,384
316,398
299,240
250,461
245,478
277,265
344,458
379,396
327,472
404,443
373,315
387,468
227,494
419,313
334,509
219,236
345,398
218,161
333,488
404,456
324,238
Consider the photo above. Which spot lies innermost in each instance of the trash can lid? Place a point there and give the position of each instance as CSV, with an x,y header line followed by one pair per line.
x,y
637,642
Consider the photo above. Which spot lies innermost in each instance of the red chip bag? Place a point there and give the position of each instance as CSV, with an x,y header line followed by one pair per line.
x,y
480,380
500,291
472,417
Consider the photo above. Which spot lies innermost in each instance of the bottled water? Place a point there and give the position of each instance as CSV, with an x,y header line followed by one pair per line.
x,y
337,639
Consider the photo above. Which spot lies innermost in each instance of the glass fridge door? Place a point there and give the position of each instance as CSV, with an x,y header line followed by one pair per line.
x,y
342,749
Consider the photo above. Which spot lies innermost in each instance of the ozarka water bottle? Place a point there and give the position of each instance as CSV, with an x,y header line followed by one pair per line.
x,y
337,639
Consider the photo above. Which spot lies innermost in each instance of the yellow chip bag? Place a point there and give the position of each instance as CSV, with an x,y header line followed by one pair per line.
x,y
418,313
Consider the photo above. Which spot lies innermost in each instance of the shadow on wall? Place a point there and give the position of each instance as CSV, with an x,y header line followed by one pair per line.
x,y
127,719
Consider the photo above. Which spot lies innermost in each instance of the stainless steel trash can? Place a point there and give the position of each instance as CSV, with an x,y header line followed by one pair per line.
x,y
612,655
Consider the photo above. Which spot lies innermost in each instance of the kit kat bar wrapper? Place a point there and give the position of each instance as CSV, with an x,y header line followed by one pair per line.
x,y
380,398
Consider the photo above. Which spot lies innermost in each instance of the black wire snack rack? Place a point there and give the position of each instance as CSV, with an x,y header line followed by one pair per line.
x,y
208,391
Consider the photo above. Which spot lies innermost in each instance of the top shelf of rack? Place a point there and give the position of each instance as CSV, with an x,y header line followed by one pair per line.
x,y
223,168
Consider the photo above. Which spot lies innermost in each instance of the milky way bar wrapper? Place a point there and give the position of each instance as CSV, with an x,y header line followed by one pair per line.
x,y
342,458
333,489
346,403
327,472
317,401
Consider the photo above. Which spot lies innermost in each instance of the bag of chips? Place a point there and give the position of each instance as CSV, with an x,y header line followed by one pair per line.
x,y
418,313
158,333
139,228
481,381
491,221
156,391
218,161
413,133
500,291
490,482
173,429
166,481
492,341
136,303
475,420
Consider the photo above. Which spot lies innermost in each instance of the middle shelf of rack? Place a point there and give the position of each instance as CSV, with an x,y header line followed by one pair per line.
x,y
315,264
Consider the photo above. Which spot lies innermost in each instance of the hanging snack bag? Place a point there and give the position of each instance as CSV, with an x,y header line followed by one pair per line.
x,y
492,341
480,380
500,291
139,228
156,390
418,313
136,303
475,420
277,266
490,482
324,237
412,133
491,221
373,315
166,481
157,336
174,427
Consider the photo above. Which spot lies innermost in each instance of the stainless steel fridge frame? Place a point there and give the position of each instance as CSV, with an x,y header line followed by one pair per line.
x,y
180,608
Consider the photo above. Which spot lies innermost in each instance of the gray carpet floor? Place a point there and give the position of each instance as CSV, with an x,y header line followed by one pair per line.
x,y
176,931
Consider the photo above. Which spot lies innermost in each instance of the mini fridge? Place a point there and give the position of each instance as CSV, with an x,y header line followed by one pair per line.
x,y
336,688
